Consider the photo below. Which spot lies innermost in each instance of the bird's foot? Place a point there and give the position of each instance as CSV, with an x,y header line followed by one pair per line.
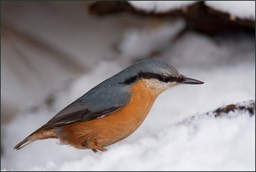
x,y
96,149
89,145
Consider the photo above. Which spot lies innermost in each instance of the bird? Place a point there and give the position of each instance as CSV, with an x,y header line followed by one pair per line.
x,y
112,110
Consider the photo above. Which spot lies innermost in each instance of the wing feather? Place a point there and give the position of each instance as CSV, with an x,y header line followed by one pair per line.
x,y
93,105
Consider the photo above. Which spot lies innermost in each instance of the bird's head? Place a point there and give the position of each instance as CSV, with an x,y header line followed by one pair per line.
x,y
157,75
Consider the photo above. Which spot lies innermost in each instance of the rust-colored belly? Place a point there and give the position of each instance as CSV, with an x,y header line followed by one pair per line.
x,y
114,127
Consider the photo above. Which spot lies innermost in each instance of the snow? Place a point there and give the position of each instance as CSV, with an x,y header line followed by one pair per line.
x,y
166,140
148,39
240,9
160,6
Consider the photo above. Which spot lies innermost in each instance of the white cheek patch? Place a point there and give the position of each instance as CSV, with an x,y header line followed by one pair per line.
x,y
158,85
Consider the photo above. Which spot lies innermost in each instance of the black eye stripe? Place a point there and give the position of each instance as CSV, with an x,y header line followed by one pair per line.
x,y
160,77
147,75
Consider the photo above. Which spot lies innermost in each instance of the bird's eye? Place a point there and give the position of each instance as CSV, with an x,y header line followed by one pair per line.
x,y
165,78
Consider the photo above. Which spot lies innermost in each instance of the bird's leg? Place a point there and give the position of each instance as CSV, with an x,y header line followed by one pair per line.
x,y
94,150
90,145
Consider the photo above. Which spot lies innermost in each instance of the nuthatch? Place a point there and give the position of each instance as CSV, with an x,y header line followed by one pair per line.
x,y
112,110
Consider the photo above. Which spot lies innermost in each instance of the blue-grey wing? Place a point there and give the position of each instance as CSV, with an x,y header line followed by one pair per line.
x,y
96,103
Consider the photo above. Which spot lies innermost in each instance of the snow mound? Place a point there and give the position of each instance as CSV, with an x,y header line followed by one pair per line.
x,y
203,142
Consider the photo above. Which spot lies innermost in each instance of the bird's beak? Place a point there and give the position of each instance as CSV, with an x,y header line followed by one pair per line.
x,y
185,80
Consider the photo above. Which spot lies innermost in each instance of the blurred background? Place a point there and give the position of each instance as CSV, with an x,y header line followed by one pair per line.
x,y
53,52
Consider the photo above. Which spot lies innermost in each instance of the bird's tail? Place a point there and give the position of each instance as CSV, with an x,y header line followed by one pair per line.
x,y
37,135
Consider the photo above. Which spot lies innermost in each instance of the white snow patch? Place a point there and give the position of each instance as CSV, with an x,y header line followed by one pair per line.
x,y
160,6
141,43
240,9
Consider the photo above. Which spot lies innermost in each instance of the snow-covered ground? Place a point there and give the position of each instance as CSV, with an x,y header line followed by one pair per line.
x,y
164,141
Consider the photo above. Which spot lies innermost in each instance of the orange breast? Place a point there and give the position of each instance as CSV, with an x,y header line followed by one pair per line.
x,y
116,126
